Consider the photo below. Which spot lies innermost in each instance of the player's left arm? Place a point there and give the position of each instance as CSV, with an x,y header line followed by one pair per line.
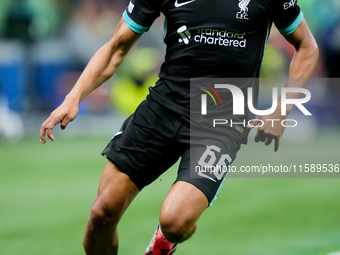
x,y
301,69
307,52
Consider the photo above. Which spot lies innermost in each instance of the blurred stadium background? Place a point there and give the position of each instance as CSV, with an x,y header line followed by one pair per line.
x,y
47,190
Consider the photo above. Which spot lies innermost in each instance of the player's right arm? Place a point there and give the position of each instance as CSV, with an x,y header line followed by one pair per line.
x,y
100,68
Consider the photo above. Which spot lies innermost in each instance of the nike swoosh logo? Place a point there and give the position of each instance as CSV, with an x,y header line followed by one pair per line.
x,y
205,176
118,133
181,4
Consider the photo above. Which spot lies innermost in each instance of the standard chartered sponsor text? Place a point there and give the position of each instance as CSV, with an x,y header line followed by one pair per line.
x,y
220,37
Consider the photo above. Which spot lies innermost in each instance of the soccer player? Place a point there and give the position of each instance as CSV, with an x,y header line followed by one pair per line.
x,y
204,38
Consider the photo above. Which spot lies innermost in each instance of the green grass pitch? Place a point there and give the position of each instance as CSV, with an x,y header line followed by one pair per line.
x,y
47,191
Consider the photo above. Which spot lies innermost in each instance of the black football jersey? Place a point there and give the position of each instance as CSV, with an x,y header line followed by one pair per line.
x,y
211,38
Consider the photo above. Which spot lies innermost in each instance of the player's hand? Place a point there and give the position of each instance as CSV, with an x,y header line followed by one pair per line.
x,y
64,114
269,129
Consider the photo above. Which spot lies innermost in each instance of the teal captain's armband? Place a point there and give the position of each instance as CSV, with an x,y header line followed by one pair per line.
x,y
292,27
135,27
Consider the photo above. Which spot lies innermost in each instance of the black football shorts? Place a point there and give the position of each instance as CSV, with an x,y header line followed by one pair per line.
x,y
154,137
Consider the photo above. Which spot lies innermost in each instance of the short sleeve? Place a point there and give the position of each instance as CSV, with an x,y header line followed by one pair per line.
x,y
286,15
140,14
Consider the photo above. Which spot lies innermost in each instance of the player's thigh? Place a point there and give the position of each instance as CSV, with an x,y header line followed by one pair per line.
x,y
182,207
206,163
116,191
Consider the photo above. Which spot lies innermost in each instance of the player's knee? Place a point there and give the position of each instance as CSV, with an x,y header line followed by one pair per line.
x,y
176,229
173,233
102,215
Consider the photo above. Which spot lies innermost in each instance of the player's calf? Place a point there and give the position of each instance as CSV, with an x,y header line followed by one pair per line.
x,y
115,193
100,231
